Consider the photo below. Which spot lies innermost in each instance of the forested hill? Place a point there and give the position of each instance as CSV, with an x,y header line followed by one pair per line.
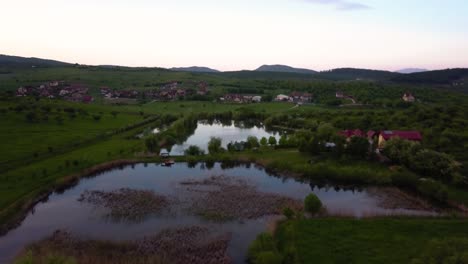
x,y
283,68
449,76
194,69
22,62
357,74
454,79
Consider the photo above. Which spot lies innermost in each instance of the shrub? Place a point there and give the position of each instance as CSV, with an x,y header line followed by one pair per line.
x,y
214,145
263,242
48,259
252,142
268,257
288,213
194,151
405,179
433,189
272,141
312,204
358,147
451,250
151,144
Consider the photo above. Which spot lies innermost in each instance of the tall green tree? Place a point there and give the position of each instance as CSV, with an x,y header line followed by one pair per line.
x,y
272,141
214,145
358,147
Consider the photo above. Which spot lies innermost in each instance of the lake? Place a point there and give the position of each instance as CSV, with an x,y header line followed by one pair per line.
x,y
64,211
230,132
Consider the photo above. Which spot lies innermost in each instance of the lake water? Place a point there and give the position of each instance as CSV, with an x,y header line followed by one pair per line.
x,y
230,132
63,211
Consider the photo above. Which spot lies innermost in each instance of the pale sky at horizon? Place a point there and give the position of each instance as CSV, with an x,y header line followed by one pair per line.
x,y
241,34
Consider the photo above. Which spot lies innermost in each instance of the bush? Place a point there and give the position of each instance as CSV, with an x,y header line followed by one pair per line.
x,y
288,213
151,144
405,179
252,142
358,147
312,204
452,250
49,259
194,151
433,189
214,145
263,242
267,257
272,141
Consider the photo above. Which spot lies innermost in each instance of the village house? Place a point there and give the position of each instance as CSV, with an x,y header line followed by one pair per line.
x,y
459,83
131,94
256,99
282,98
236,98
202,91
54,89
24,91
239,98
300,97
352,133
107,92
340,95
409,98
384,136
53,83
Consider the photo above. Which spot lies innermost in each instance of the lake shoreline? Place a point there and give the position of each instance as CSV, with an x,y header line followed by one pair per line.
x,y
68,181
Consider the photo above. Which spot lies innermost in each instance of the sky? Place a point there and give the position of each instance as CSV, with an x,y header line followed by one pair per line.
x,y
240,34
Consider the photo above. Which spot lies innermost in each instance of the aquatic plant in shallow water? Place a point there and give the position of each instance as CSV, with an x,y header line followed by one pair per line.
x,y
224,198
126,204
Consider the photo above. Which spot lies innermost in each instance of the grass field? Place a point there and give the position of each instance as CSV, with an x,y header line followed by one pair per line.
x,y
365,241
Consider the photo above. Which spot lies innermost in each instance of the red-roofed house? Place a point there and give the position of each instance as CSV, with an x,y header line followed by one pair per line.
x,y
352,133
389,134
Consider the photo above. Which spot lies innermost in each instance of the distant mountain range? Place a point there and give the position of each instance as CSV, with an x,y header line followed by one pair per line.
x,y
411,70
194,69
410,75
283,68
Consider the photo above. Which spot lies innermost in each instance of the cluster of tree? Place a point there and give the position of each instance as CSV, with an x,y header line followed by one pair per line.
x,y
432,77
428,163
443,126
177,132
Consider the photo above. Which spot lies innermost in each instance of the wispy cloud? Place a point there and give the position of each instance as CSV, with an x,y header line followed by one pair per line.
x,y
343,5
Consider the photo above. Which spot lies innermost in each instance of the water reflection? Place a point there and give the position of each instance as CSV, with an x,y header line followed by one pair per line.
x,y
61,210
228,131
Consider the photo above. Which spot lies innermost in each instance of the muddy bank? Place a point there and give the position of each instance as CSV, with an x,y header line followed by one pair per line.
x,y
225,198
175,246
394,198
127,204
